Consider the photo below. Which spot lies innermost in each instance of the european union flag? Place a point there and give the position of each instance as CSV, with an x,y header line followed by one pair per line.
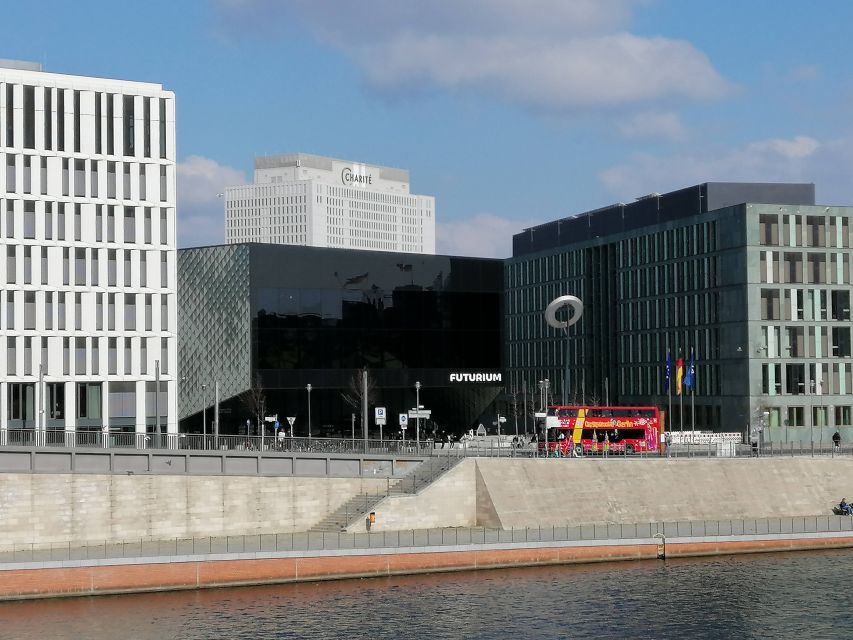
x,y
690,378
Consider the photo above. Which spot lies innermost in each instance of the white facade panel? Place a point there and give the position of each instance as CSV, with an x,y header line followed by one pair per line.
x,y
87,251
324,202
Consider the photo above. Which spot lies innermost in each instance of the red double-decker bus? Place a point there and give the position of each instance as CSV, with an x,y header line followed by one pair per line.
x,y
599,430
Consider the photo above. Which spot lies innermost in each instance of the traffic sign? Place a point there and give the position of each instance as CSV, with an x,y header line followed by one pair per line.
x,y
379,413
419,413
271,418
404,420
277,425
291,420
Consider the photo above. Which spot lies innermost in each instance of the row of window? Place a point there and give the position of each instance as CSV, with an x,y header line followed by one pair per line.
x,y
809,268
61,221
803,231
83,356
88,402
91,122
810,305
801,378
30,264
86,178
795,416
64,310
805,342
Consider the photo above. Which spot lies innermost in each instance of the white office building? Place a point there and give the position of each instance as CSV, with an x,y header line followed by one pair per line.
x,y
88,307
323,202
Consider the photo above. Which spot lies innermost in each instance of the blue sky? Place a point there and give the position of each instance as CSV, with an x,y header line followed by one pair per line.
x,y
509,112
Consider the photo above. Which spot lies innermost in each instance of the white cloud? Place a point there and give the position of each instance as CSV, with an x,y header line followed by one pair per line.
x,y
200,210
799,159
548,55
484,235
655,125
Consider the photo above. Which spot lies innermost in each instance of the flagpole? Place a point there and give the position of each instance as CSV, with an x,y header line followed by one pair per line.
x,y
679,380
669,386
692,389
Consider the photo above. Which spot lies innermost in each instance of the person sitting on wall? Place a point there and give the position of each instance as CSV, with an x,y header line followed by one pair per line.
x,y
845,507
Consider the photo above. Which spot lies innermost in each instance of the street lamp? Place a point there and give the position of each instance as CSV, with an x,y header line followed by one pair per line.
x,y
418,415
204,416
308,388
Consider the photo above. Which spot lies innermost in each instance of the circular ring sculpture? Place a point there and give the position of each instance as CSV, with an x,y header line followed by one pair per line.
x,y
572,302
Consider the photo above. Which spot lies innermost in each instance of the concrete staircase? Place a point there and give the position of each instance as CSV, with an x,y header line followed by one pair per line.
x,y
359,506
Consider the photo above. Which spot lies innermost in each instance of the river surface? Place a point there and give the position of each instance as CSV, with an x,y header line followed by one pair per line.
x,y
785,595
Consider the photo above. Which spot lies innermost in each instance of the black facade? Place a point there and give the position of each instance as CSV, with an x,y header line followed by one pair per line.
x,y
319,316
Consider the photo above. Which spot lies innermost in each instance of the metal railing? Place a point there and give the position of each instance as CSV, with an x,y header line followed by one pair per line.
x,y
334,541
477,447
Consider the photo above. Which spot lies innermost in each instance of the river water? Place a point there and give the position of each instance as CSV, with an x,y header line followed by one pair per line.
x,y
785,595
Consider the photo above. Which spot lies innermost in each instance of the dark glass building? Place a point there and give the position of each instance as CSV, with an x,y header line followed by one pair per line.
x,y
752,279
283,317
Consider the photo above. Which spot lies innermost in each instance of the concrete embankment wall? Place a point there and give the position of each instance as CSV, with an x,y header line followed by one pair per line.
x,y
517,493
44,509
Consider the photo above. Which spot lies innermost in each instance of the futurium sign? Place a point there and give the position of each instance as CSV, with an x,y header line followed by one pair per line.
x,y
475,377
350,178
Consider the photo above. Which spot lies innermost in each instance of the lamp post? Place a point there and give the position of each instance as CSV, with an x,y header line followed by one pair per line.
x,y
157,400
417,415
204,416
308,388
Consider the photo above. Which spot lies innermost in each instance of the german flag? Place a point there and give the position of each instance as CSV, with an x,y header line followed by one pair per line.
x,y
679,375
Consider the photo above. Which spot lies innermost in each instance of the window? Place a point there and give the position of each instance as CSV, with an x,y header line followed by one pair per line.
x,y
148,313
130,312
80,356
164,227
129,126
796,417
30,310
10,115
11,275
111,268
129,224
89,400
98,98
76,122
795,379
111,312
11,358
146,127
111,130
48,119
164,270
112,356
111,180
78,311
29,219
60,119
55,400
162,127
60,221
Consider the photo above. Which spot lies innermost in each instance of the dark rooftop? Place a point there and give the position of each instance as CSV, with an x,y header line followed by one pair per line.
x,y
655,209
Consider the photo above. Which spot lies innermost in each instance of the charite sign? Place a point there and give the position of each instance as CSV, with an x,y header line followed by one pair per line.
x,y
475,377
350,178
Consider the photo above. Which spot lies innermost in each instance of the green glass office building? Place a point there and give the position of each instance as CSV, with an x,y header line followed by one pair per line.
x,y
751,279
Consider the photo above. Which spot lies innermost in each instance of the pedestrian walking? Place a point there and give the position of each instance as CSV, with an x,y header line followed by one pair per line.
x,y
836,440
667,438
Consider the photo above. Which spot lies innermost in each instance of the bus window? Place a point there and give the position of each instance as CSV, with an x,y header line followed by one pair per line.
x,y
567,413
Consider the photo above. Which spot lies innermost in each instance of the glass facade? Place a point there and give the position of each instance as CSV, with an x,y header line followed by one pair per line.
x,y
317,316
759,293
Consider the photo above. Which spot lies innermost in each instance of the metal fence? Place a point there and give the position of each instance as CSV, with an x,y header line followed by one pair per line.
x,y
506,446
420,538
